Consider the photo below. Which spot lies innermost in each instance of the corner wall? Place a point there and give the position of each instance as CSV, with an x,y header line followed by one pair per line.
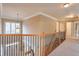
x,y
39,24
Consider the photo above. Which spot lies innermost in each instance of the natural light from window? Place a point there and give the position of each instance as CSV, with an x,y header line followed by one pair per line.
x,y
12,28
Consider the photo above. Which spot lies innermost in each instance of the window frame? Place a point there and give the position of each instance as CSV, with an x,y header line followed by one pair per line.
x,y
13,21
76,30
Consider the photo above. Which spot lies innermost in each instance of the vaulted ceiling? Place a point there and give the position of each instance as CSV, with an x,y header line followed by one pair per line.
x,y
10,10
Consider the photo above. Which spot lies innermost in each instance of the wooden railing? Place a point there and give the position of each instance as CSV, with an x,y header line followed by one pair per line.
x,y
29,44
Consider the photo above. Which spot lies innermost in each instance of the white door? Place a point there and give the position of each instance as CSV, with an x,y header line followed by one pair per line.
x,y
68,29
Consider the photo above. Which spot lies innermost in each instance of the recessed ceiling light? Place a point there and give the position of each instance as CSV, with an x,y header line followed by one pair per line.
x,y
67,5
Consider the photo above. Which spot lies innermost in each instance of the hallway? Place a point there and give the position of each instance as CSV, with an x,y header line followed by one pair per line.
x,y
37,29
70,47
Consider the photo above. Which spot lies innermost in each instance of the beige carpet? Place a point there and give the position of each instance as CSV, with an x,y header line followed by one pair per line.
x,y
69,47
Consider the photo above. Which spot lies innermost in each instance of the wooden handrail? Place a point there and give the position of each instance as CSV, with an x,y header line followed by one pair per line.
x,y
17,34
41,34
35,39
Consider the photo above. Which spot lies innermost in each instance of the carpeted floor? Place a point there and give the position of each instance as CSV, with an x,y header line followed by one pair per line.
x,y
69,47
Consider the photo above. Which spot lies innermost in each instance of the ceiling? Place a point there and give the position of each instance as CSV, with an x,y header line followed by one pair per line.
x,y
10,10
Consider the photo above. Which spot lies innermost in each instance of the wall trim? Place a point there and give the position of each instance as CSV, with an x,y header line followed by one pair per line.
x,y
41,13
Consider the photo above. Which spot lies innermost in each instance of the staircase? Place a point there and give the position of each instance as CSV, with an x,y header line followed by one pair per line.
x,y
30,44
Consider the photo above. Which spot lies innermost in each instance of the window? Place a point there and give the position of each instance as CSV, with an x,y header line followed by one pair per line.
x,y
12,28
7,28
76,29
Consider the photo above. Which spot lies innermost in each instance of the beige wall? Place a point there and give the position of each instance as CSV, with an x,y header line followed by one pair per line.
x,y
0,27
60,26
39,24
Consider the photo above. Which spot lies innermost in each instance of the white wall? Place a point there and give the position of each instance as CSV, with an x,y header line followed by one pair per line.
x,y
39,24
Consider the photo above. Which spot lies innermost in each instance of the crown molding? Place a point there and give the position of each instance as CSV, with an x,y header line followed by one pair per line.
x,y
41,13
